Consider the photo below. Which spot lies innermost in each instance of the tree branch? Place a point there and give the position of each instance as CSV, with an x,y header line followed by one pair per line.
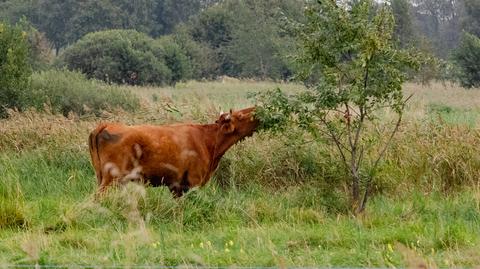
x,y
337,141
380,156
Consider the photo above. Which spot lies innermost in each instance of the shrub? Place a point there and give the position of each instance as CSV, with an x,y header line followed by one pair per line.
x,y
201,57
467,58
119,56
14,66
41,50
67,91
175,59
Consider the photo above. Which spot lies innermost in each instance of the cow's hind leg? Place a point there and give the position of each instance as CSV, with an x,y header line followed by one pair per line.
x,y
110,173
107,181
178,189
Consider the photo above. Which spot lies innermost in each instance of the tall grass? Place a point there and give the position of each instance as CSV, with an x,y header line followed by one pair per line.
x,y
12,203
276,200
66,92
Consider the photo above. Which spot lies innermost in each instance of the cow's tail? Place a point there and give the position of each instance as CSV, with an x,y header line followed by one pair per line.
x,y
94,154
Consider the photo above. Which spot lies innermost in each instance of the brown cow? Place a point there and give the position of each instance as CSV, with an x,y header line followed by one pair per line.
x,y
179,156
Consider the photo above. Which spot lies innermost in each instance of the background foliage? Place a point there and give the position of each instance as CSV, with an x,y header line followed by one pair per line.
x,y
67,92
238,38
123,56
14,67
467,58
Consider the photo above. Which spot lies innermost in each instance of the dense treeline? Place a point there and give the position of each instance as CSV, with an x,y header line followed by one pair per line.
x,y
65,21
203,39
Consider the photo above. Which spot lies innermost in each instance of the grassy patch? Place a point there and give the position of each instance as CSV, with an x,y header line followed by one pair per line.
x,y
452,115
258,226
12,204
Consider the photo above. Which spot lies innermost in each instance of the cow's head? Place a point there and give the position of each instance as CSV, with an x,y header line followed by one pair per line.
x,y
241,122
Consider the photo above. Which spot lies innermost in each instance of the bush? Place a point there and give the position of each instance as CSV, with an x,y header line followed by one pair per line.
x,y
14,66
67,91
467,58
41,49
175,59
202,58
119,56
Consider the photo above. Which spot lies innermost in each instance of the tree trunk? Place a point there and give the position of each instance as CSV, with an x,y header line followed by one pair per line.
x,y
355,189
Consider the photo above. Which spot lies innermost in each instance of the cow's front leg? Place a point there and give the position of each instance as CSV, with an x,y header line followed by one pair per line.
x,y
176,191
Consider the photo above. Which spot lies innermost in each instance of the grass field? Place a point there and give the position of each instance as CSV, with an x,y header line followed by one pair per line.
x,y
276,200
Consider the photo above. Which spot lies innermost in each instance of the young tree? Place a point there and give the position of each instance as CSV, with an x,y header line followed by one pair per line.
x,y
360,72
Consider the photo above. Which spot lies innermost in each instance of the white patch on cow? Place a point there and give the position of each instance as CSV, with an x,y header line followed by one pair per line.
x,y
135,174
134,161
186,154
170,167
138,150
112,169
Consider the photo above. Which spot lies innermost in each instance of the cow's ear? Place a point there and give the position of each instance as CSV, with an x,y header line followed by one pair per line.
x,y
223,118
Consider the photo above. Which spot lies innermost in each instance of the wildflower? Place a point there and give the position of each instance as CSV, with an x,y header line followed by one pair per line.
x,y
230,243
201,244
390,248
227,250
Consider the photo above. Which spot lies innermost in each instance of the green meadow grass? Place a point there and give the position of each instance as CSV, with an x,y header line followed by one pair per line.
x,y
276,200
